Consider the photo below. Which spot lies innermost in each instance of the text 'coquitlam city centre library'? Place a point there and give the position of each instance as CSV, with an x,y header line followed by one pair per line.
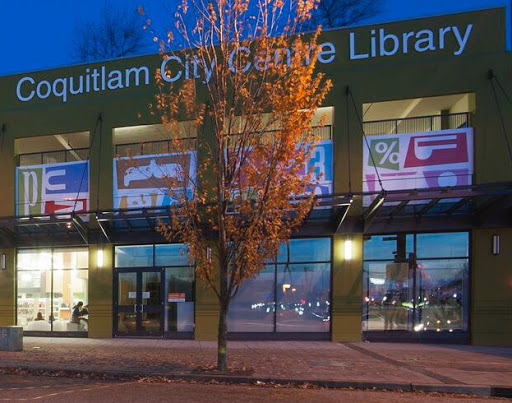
x,y
412,240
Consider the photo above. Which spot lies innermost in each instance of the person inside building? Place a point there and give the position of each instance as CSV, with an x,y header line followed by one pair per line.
x,y
77,312
39,316
80,316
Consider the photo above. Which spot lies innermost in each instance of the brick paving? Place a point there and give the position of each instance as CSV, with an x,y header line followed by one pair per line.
x,y
370,364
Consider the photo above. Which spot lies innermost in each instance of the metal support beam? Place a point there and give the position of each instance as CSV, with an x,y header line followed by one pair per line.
x,y
427,207
104,230
80,227
461,203
398,208
340,212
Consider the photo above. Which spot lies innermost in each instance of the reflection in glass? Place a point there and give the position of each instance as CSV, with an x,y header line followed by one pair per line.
x,y
290,297
252,309
171,255
151,288
127,289
441,285
388,246
303,298
453,244
179,292
417,295
387,296
126,322
134,256
151,322
310,250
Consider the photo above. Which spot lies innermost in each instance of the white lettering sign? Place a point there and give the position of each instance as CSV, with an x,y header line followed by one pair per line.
x,y
383,43
241,59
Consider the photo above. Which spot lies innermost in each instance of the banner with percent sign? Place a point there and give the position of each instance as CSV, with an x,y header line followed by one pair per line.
x,y
417,160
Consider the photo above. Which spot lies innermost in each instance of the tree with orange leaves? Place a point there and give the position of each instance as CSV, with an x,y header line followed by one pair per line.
x,y
245,89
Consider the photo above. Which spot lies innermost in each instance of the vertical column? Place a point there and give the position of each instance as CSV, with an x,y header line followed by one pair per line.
x,y
491,289
101,166
207,314
207,310
101,264
347,286
100,194
7,288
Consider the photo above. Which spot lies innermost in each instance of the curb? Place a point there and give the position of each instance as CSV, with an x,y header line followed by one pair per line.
x,y
476,390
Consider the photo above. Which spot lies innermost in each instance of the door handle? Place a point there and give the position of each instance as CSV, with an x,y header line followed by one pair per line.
x,y
134,308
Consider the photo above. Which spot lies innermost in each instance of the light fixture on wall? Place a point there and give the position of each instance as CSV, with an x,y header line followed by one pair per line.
x,y
348,249
3,264
495,244
99,257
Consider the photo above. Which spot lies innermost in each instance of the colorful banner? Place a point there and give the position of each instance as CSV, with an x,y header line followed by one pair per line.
x,y
52,188
142,181
321,162
417,160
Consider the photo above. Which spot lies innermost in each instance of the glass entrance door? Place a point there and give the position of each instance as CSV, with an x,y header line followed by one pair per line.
x,y
138,308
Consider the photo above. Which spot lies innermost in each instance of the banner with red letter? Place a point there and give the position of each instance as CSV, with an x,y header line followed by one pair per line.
x,y
417,160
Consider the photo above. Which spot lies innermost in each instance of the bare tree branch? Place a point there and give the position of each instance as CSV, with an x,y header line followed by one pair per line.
x,y
116,33
341,13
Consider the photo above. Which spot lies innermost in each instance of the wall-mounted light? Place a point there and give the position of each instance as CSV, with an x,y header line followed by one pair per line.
x,y
99,257
3,264
495,244
348,249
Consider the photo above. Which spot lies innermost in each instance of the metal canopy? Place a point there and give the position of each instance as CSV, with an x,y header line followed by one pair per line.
x,y
53,229
125,225
443,208
480,205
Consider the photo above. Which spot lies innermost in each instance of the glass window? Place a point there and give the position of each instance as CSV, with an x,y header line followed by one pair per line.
x,y
69,289
387,285
430,293
35,260
30,159
310,250
54,157
252,309
50,286
71,258
171,255
179,294
134,256
303,297
282,255
298,302
453,244
34,299
388,246
442,286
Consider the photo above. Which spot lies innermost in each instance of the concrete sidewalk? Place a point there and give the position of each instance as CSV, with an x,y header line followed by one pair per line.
x,y
482,371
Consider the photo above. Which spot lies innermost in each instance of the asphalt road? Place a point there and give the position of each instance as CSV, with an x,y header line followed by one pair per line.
x,y
52,389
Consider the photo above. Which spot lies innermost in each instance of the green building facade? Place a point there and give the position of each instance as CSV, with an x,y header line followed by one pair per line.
x,y
411,241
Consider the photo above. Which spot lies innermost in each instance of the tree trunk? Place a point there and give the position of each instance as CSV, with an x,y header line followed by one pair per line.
x,y
222,352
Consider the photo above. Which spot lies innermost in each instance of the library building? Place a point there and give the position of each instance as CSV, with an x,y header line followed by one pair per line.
x,y
411,241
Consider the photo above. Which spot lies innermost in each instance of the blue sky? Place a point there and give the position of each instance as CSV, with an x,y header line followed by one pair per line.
x,y
36,35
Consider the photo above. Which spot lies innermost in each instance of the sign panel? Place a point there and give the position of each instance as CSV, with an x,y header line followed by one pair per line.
x,y
142,181
176,297
417,160
52,188
321,162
